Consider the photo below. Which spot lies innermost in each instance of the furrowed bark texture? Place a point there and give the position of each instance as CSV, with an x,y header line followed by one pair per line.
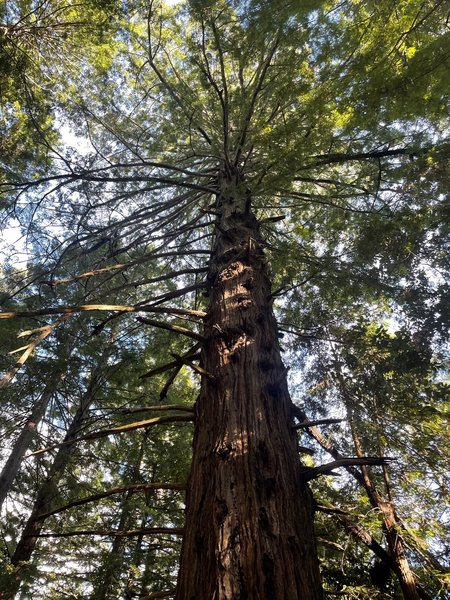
x,y
249,523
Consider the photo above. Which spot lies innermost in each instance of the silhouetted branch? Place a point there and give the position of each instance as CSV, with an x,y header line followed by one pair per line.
x,y
121,534
116,430
313,472
136,487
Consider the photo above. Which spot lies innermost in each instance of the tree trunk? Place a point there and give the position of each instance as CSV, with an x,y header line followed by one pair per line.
x,y
48,490
406,579
249,520
112,567
26,436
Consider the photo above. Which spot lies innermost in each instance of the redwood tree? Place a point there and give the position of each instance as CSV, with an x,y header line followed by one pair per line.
x,y
249,524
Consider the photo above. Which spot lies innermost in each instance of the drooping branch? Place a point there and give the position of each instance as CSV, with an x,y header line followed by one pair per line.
x,y
117,490
116,430
106,533
70,310
326,469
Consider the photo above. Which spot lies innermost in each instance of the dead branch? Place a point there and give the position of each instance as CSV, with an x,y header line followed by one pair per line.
x,y
308,423
170,380
29,348
116,430
171,327
313,472
187,361
168,366
163,407
70,310
121,534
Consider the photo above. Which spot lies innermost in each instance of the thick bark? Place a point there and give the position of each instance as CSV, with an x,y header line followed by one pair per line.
x,y
249,523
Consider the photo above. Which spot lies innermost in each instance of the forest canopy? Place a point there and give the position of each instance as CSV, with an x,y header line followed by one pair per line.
x,y
225,299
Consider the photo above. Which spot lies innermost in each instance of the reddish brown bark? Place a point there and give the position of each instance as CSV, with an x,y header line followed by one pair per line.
x,y
249,523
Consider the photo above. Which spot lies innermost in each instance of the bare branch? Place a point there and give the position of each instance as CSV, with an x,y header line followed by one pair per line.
x,y
159,407
136,487
121,534
308,423
171,327
70,310
313,472
29,348
116,430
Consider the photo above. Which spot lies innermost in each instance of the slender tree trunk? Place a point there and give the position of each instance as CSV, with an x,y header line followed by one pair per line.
x,y
26,436
375,499
113,567
49,488
396,545
249,522
406,578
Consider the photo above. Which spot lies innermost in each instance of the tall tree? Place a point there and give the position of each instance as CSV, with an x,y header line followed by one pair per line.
x,y
225,134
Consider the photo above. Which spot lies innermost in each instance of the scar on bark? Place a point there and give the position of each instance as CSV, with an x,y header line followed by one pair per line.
x,y
268,570
221,511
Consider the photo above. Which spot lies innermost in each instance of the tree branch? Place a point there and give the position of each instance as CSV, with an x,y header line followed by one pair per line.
x,y
70,310
121,534
29,348
116,430
171,327
117,490
156,595
313,472
159,407
328,159
309,423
